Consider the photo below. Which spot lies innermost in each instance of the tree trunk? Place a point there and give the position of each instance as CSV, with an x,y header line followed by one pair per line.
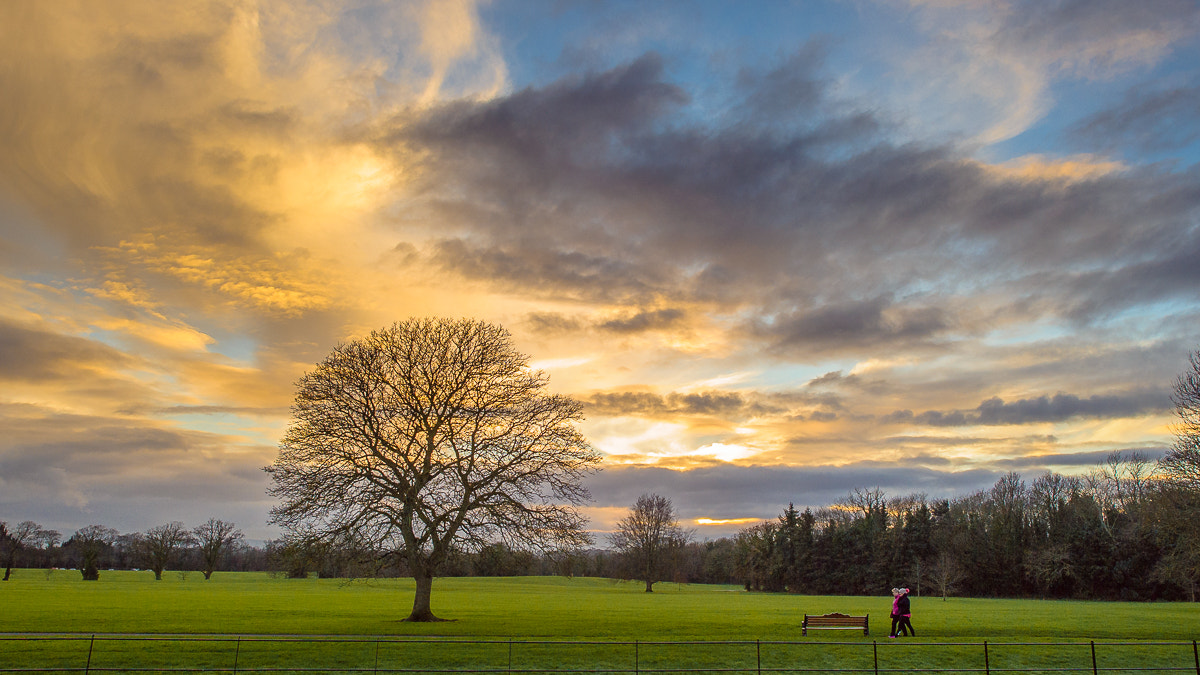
x,y
207,573
158,574
7,572
421,610
649,586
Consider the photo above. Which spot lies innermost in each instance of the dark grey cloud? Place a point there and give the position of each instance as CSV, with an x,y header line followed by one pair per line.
x,y
572,122
1147,119
1106,292
219,410
1089,29
67,470
722,404
35,355
1040,463
551,323
794,87
637,321
1057,408
645,321
854,325
607,188
553,273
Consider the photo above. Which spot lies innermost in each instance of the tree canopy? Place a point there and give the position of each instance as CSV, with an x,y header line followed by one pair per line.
x,y
428,435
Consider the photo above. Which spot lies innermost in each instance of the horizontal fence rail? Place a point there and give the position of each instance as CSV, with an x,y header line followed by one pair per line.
x,y
146,653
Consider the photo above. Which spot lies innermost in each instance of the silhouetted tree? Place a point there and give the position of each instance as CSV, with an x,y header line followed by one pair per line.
x,y
157,546
1177,510
1181,464
650,539
25,534
430,435
90,543
214,539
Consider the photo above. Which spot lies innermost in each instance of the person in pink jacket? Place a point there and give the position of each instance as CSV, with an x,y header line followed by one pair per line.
x,y
895,611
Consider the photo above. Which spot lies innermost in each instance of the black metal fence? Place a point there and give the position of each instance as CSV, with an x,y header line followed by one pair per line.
x,y
126,653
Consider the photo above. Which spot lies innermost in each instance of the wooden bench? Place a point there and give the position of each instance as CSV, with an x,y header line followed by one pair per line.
x,y
834,622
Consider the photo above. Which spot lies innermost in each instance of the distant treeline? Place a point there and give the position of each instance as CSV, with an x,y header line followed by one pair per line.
x,y
1115,533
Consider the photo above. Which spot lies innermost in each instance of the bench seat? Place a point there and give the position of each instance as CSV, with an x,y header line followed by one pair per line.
x,y
835,622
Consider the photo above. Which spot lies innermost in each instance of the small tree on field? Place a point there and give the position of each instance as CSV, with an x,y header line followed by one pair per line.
x,y
650,539
214,539
24,535
158,545
947,574
91,542
428,437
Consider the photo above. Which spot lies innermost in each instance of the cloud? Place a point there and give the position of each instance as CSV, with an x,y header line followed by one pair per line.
x,y
1147,119
94,467
988,70
839,243
1095,39
1058,408
32,355
644,321
854,326
721,404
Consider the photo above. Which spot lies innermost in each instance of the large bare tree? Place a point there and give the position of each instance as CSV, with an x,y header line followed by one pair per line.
x,y
1181,465
428,435
650,540
1179,525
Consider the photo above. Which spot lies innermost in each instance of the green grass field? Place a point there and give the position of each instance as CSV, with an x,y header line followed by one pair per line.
x,y
529,610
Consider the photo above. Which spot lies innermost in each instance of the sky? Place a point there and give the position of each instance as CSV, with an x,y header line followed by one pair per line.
x,y
779,250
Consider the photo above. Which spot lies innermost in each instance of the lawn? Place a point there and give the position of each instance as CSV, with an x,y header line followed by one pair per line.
x,y
529,610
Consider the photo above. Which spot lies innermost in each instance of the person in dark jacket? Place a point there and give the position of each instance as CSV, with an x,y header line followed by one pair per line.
x,y
895,611
903,608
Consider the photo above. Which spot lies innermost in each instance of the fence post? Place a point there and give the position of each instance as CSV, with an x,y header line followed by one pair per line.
x,y
92,643
237,652
376,656
758,654
510,655
987,666
875,650
1196,654
1093,657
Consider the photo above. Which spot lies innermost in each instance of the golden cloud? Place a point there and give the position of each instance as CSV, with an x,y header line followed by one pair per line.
x,y
1039,168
